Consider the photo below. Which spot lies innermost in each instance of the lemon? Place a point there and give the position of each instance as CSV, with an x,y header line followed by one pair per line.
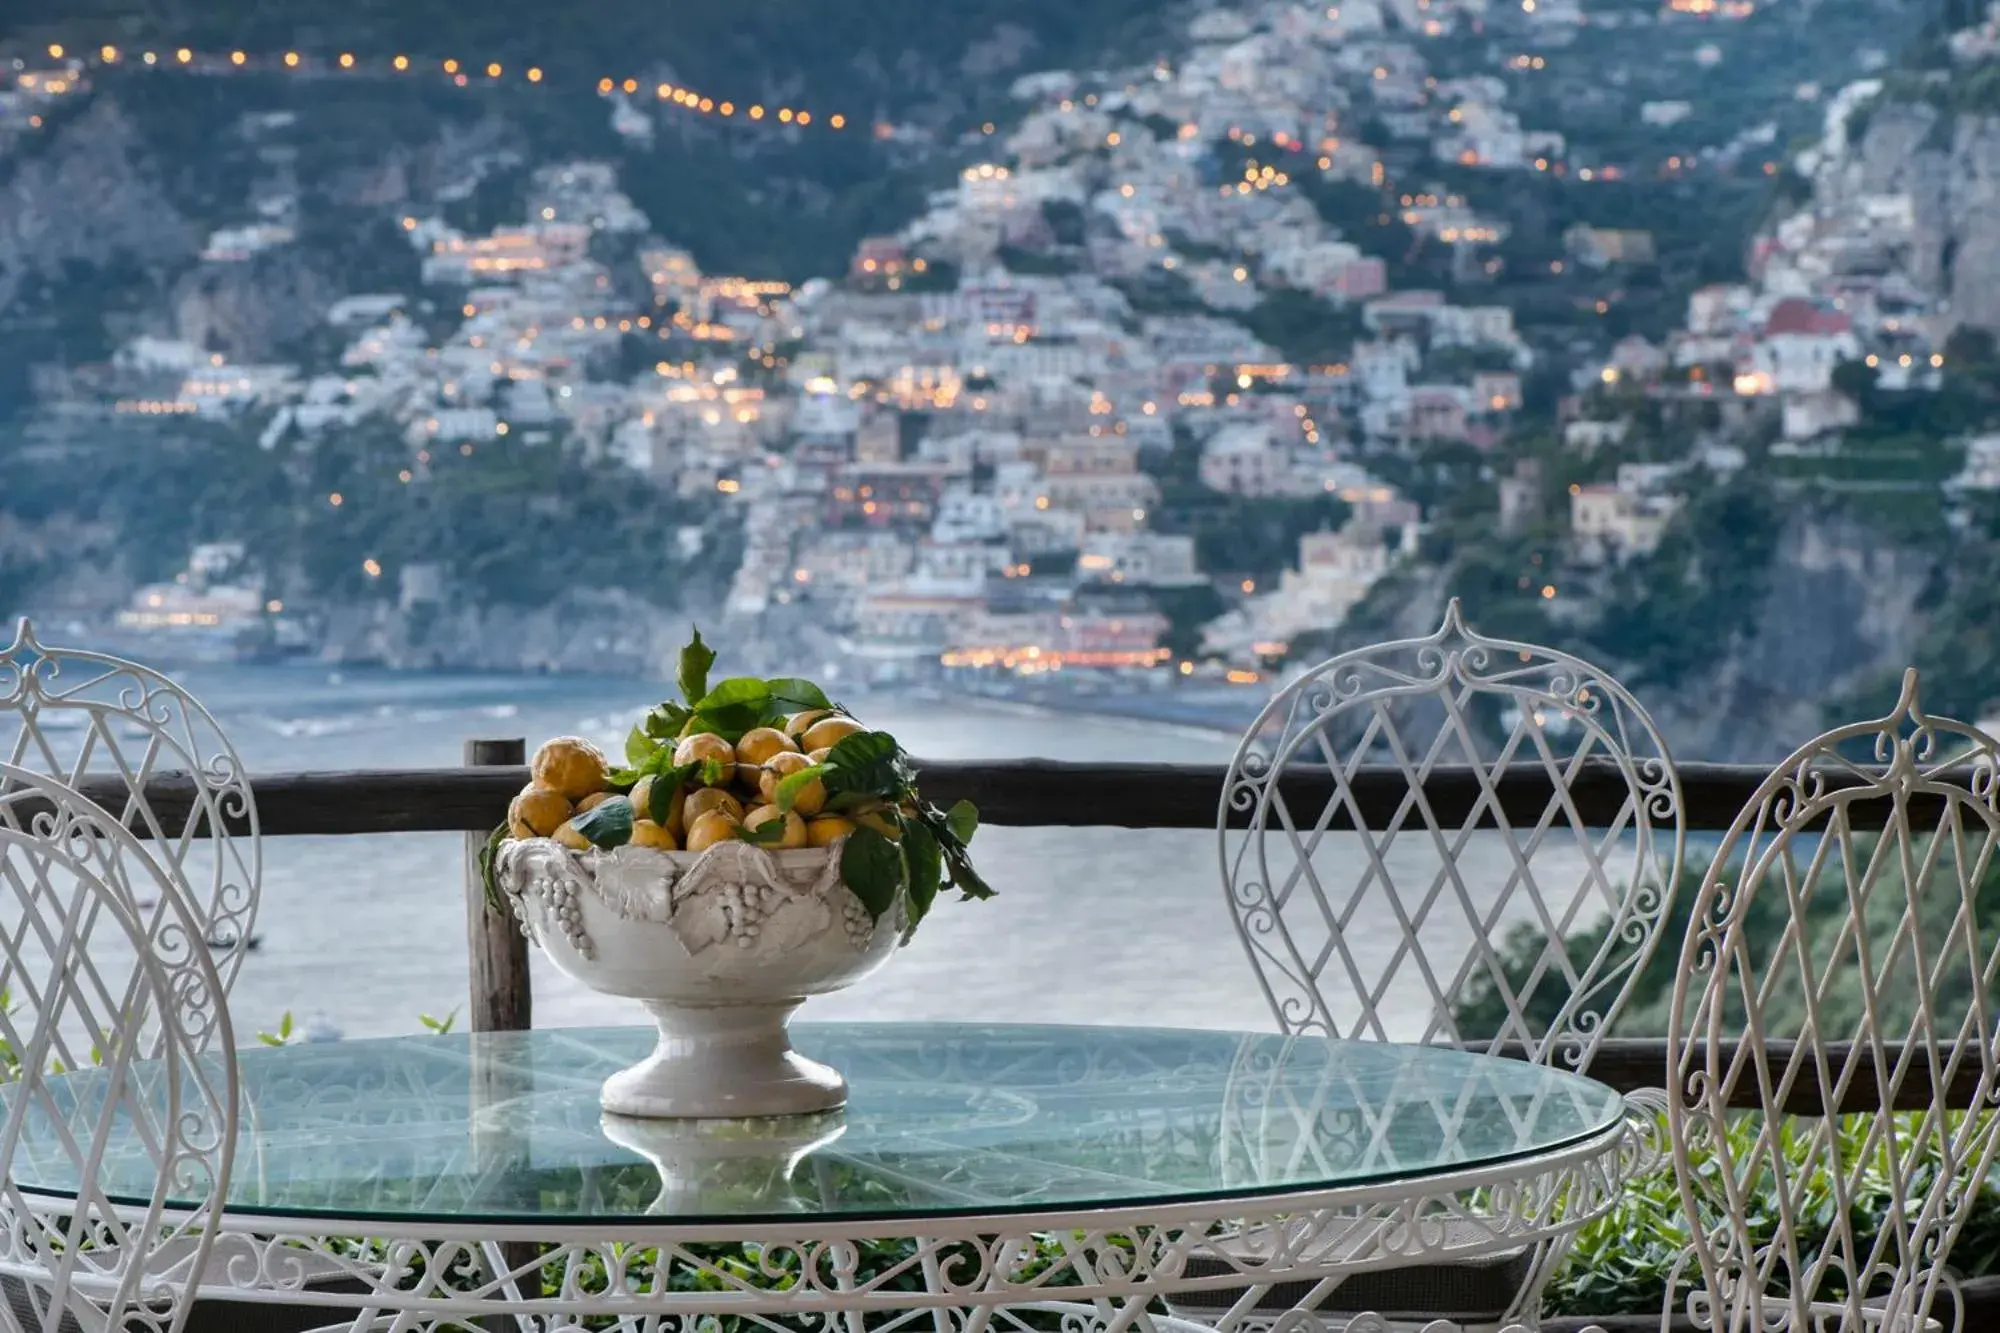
x,y
592,801
828,732
819,756
709,800
795,827
709,829
645,833
641,796
571,837
758,746
796,724
517,830
827,830
704,746
809,800
542,809
572,766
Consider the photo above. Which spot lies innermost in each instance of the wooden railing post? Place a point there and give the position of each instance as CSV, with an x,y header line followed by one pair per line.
x,y
502,1000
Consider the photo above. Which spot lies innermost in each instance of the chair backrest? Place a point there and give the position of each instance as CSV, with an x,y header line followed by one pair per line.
x,y
119,1074
99,722
1422,927
1809,933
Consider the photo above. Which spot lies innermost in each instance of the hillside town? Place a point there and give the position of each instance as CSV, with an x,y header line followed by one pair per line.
x,y
964,455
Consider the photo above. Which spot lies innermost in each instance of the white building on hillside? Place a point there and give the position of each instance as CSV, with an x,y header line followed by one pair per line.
x,y
1336,570
1242,459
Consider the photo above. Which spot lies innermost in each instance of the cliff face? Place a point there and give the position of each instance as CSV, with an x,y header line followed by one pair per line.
x,y
1841,611
90,199
600,634
1949,165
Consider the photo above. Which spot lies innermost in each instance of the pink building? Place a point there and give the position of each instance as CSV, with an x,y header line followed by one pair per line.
x,y
1437,412
1365,277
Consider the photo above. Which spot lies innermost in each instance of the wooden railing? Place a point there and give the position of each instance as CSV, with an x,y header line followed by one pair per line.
x,y
1028,793
1021,793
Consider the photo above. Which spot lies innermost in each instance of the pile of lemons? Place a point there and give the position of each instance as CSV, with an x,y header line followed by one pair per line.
x,y
571,777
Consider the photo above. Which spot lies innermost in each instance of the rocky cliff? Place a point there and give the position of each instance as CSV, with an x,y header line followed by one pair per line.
x,y
1948,162
1840,612
1842,609
596,634
90,198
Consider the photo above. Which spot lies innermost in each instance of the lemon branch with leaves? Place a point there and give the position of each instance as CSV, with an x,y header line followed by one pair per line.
x,y
811,774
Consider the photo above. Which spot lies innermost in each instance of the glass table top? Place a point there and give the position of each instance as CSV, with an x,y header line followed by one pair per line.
x,y
941,1119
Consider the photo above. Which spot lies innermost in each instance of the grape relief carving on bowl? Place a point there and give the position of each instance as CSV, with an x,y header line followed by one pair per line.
x,y
733,893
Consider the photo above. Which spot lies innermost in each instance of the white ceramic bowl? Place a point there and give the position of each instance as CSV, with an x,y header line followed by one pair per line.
x,y
720,946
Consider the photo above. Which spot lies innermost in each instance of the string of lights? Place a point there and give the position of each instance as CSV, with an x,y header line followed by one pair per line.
x,y
461,73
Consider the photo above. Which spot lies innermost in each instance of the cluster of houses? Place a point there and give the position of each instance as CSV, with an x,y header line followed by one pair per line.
x,y
1832,282
956,456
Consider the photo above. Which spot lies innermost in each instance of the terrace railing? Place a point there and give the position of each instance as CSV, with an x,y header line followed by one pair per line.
x,y
1022,793
1034,793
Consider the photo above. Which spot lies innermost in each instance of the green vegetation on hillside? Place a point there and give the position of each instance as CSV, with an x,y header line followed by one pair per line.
x,y
512,523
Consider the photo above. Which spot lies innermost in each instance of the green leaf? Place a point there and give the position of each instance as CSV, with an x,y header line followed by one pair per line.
x,y
963,821
495,903
716,773
737,705
790,787
640,748
733,693
796,694
963,877
660,798
696,659
664,721
697,725
872,868
867,761
609,825
925,861
767,834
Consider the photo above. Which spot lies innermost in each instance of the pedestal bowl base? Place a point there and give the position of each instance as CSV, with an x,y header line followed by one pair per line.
x,y
723,1062
719,1165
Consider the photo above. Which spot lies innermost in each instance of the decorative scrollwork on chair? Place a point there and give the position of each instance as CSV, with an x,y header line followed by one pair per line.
x,y
1384,935
1821,960
111,727
133,1013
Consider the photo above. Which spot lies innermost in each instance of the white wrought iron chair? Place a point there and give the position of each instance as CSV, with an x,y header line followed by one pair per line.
x,y
1821,959
110,727
1389,933
136,1011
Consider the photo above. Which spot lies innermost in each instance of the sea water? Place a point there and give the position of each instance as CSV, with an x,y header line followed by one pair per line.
x,y
363,935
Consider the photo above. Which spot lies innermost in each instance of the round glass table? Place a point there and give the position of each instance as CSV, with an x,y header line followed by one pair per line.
x,y
976,1168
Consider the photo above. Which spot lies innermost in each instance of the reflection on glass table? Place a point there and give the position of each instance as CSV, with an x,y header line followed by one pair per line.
x,y
943,1120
